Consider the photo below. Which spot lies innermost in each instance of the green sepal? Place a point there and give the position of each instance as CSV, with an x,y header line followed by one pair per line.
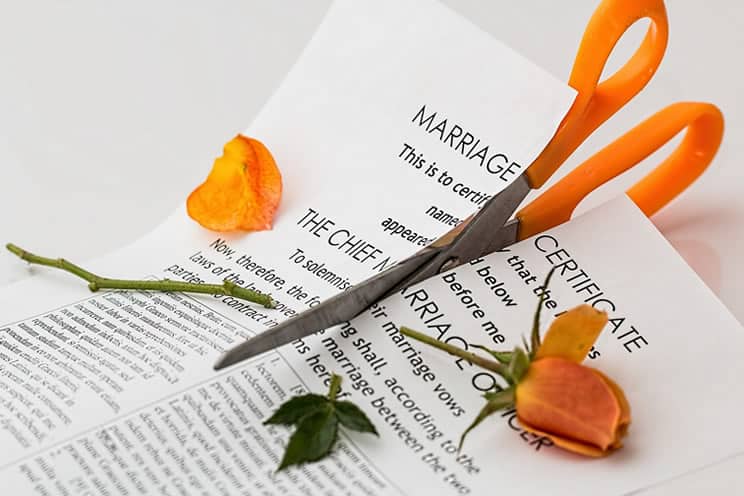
x,y
294,409
313,438
503,357
518,365
352,417
497,401
489,395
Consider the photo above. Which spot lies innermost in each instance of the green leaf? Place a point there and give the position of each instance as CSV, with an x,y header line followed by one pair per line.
x,y
294,409
352,417
497,401
316,419
313,438
519,364
503,357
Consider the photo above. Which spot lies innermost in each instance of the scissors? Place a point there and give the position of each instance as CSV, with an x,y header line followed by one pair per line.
x,y
491,228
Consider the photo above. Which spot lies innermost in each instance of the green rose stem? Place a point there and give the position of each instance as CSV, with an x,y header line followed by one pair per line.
x,y
487,364
335,387
96,282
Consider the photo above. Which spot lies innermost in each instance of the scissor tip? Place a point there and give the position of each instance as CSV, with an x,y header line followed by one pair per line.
x,y
224,361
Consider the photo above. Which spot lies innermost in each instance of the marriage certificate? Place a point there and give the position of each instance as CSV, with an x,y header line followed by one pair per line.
x,y
399,120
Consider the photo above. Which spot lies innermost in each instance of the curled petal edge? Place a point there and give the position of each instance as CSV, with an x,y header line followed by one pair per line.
x,y
572,334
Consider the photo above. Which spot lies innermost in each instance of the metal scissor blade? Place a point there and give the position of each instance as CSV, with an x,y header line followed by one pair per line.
x,y
486,232
507,235
333,311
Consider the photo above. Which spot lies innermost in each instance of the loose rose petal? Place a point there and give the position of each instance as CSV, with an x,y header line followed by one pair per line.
x,y
572,334
268,187
242,190
220,202
569,401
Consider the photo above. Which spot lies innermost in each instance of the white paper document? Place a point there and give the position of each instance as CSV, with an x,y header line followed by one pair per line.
x,y
399,120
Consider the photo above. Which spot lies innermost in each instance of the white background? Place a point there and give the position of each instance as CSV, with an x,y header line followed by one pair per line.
x,y
111,112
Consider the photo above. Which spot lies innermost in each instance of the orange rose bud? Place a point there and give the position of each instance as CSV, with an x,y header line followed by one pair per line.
x,y
573,405
242,191
577,407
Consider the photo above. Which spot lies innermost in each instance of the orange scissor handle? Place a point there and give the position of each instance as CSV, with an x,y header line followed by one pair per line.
x,y
704,124
595,103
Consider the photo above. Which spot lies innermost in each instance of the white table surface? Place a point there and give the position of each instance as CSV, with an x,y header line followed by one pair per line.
x,y
111,112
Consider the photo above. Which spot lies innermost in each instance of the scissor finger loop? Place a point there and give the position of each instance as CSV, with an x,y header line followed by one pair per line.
x,y
704,124
596,102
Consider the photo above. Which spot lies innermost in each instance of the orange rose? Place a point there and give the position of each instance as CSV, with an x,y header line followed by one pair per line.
x,y
577,407
242,190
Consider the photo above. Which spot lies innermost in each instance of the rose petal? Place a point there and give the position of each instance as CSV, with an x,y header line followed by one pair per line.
x,y
569,401
572,334
241,192
565,443
268,188
624,420
220,203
